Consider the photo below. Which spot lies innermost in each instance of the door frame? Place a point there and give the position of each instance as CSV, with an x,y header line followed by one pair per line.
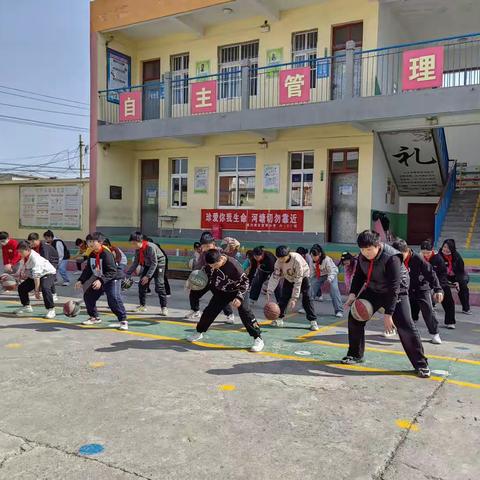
x,y
141,187
330,175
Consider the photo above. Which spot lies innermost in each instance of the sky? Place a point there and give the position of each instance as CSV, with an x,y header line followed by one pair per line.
x,y
44,47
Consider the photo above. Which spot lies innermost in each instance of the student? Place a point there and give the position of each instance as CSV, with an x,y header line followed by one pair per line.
x,y
349,264
207,243
38,274
325,271
294,270
456,273
265,265
438,264
84,252
231,247
423,280
228,284
149,264
168,290
10,253
63,255
382,279
197,251
101,275
120,257
249,266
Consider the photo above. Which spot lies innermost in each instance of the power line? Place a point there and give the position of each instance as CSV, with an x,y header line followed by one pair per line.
x,y
45,101
43,95
44,110
38,156
38,123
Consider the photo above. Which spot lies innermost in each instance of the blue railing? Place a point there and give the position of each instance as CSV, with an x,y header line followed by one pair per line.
x,y
445,201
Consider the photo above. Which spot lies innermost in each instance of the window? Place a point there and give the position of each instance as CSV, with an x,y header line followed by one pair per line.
x,y
461,78
344,161
179,176
179,65
230,59
236,180
304,47
301,179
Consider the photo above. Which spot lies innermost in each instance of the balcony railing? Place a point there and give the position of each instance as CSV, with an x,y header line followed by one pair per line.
x,y
379,72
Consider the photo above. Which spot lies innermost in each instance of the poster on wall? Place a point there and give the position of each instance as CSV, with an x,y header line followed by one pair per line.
x,y
202,68
51,206
200,180
274,57
118,73
271,178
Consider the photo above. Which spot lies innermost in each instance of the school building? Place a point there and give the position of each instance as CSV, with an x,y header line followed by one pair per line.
x,y
286,120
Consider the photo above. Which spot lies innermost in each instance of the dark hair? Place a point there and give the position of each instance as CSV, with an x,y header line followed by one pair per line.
x,y
24,245
98,236
249,254
319,251
136,237
206,238
212,256
258,251
302,251
426,245
346,256
400,245
368,238
88,237
315,252
450,242
197,244
48,234
282,251
78,241
33,236
4,235
107,242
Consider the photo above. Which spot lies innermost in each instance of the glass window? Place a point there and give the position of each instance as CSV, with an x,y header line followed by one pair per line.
x,y
301,179
352,160
179,182
236,182
304,47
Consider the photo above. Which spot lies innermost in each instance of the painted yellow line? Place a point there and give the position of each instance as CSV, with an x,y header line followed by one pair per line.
x,y
396,352
473,223
321,330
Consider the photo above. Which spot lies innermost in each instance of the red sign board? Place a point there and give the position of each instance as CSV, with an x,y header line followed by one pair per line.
x,y
295,85
204,97
264,220
422,68
130,106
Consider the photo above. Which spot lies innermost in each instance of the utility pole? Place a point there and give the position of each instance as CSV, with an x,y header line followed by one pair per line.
x,y
80,149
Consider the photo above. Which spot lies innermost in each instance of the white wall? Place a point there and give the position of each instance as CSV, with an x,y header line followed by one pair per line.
x,y
390,30
463,144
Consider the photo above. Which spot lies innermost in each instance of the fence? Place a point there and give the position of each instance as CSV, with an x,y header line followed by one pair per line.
x,y
444,202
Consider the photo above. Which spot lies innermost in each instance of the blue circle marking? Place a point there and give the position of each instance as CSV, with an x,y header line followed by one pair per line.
x,y
91,449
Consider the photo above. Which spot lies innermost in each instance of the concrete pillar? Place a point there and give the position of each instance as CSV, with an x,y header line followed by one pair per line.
x,y
245,86
349,69
167,79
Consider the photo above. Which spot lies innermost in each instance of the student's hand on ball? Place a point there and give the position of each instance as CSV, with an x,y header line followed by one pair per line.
x,y
144,280
438,297
350,300
236,303
388,324
96,284
292,304
78,285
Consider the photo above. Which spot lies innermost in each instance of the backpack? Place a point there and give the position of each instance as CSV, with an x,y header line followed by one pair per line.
x,y
66,251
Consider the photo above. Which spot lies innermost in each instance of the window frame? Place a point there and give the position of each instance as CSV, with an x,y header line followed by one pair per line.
x,y
178,176
180,86
302,172
345,152
236,173
310,54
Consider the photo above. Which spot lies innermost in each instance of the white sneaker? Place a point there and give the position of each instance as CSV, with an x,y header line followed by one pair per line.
x,y
66,284
164,312
277,323
339,314
436,339
195,337
257,345
123,325
25,310
319,299
230,319
314,326
50,313
450,326
55,297
467,312
301,310
140,309
192,315
92,321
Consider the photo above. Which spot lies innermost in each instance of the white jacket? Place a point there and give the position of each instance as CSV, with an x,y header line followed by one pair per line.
x,y
36,266
327,268
294,271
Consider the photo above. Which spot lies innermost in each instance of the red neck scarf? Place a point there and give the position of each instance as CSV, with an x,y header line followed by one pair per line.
x,y
449,259
317,269
431,256
369,274
141,253
37,248
97,257
407,260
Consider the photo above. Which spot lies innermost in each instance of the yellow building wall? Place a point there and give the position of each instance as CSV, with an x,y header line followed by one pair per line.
x,y
10,218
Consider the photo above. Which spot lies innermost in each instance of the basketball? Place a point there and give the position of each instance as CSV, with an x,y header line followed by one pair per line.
x,y
71,308
9,282
271,311
127,283
198,280
361,310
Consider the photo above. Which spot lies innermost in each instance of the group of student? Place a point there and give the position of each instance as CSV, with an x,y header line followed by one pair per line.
x,y
393,278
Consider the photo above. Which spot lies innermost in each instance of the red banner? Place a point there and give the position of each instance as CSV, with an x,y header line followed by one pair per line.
x,y
263,220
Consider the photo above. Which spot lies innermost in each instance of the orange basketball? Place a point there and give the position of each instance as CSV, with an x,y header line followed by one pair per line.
x,y
271,311
361,310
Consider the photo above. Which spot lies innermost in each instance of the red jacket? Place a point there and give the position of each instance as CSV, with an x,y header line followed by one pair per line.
x,y
10,253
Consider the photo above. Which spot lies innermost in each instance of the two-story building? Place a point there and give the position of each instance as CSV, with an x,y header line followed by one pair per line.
x,y
281,120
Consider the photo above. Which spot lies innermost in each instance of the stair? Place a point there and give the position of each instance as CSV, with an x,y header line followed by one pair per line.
x,y
459,218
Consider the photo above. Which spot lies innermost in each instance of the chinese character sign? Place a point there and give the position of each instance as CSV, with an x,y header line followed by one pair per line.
x,y
130,107
263,220
295,86
422,68
204,97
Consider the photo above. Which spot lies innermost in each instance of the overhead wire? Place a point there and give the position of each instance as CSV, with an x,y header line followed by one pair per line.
x,y
44,110
42,95
45,101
